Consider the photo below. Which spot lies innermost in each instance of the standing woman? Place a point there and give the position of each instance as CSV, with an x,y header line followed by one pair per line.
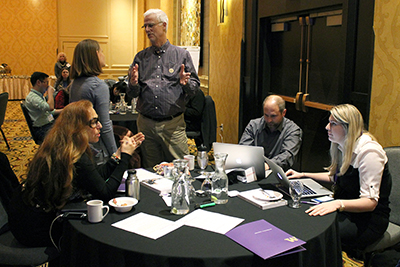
x,y
60,64
361,181
63,170
86,66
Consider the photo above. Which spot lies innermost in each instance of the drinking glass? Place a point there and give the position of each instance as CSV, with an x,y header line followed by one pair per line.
x,y
296,190
202,160
206,185
122,107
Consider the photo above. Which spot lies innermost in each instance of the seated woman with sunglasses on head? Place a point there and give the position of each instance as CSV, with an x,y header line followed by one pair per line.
x,y
63,169
361,181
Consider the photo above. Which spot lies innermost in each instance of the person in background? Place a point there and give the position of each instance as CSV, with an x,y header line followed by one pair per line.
x,y
116,89
60,64
62,89
63,170
86,66
63,81
193,114
361,181
280,137
41,110
162,76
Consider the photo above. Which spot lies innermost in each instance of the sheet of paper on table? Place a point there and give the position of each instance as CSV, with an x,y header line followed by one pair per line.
x,y
147,225
210,221
142,175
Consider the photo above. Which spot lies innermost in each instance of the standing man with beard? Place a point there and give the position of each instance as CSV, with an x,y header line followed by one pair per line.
x,y
163,78
280,137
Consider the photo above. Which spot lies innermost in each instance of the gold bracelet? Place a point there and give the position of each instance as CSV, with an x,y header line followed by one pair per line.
x,y
341,206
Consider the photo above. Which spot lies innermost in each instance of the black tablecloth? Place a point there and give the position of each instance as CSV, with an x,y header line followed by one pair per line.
x,y
129,116
86,244
127,120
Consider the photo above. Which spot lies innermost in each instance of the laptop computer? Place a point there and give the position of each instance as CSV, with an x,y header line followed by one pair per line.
x,y
243,157
311,187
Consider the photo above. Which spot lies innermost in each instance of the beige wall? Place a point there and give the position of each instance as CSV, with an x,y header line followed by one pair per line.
x,y
113,23
28,35
224,68
385,99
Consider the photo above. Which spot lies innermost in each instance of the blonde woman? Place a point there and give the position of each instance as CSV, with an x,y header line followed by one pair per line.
x,y
61,64
360,177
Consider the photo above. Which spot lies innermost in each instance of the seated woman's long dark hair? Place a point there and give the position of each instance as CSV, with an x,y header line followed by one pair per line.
x,y
50,173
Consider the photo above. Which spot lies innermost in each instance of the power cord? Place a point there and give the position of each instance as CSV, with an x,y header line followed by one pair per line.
x,y
51,227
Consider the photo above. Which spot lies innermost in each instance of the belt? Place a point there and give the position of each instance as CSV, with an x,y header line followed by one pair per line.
x,y
168,118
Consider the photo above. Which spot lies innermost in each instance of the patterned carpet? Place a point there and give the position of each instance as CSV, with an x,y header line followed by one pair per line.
x,y
19,138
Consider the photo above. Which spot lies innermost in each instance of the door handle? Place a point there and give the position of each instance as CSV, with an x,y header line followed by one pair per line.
x,y
299,95
309,22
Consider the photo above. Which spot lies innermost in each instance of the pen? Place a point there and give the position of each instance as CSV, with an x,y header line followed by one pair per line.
x,y
308,202
205,205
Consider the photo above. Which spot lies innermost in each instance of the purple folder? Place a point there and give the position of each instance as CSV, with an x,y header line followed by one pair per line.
x,y
265,240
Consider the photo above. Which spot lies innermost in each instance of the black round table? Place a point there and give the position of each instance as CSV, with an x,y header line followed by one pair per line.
x,y
86,244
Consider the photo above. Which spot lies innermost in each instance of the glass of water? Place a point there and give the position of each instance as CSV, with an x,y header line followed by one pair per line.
x,y
206,185
296,191
202,160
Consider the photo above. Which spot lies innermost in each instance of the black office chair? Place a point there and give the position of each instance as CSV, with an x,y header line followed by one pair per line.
x,y
208,133
11,251
29,122
391,238
3,107
110,82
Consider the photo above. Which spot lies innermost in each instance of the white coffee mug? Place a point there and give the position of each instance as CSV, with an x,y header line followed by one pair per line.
x,y
95,210
190,159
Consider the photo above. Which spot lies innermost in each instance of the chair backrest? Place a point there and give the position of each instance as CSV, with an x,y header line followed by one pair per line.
x,y
29,122
393,154
110,82
209,122
3,106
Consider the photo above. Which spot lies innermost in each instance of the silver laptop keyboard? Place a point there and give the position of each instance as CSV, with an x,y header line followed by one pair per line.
x,y
307,191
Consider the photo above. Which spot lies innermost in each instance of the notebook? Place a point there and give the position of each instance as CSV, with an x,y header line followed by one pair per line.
x,y
311,187
243,157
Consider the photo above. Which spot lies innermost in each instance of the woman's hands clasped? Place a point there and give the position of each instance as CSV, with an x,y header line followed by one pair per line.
x,y
130,143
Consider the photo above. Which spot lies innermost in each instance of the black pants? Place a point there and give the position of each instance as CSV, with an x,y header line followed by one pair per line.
x,y
353,237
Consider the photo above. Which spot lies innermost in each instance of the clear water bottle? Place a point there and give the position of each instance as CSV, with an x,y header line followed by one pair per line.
x,y
219,181
180,194
132,185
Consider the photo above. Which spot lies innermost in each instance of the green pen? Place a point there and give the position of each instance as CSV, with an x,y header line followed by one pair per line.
x,y
205,205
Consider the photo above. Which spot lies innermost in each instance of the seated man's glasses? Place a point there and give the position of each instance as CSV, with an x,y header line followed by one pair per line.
x,y
93,122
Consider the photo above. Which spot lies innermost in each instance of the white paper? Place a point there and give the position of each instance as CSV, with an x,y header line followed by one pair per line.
x,y
147,225
210,221
143,174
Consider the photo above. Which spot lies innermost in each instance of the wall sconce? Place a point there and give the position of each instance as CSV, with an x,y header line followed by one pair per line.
x,y
222,11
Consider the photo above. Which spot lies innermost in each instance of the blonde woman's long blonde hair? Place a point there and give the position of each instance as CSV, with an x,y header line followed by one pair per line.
x,y
352,122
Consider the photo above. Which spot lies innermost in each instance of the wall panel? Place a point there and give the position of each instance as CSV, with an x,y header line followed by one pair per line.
x,y
28,36
385,98
224,68
113,23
